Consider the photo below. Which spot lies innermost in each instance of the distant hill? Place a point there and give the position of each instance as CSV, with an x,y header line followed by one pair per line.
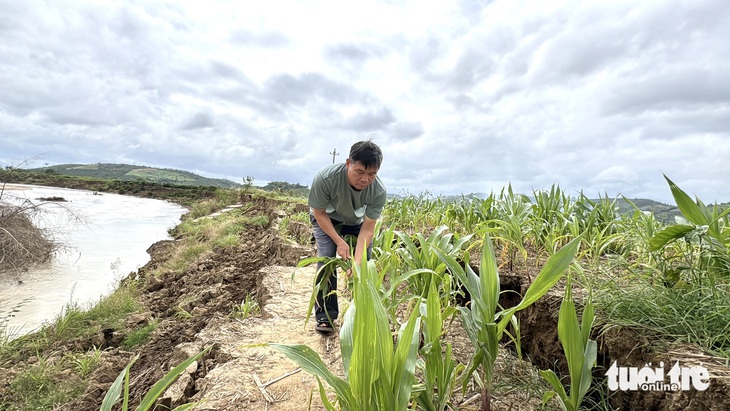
x,y
287,188
662,212
134,172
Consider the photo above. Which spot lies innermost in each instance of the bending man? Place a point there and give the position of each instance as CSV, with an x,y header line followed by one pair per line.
x,y
345,199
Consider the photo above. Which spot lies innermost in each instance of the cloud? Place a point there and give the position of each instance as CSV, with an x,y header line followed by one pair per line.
x,y
285,89
462,97
264,39
356,53
369,120
198,120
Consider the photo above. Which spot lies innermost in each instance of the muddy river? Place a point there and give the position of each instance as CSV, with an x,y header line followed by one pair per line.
x,y
107,244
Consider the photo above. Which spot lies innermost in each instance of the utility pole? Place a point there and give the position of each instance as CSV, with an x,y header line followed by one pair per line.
x,y
334,153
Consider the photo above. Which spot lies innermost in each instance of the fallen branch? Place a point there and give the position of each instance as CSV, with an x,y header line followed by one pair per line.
x,y
269,399
290,373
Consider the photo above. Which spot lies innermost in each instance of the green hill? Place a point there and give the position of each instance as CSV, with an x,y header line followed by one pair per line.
x,y
288,188
662,212
127,172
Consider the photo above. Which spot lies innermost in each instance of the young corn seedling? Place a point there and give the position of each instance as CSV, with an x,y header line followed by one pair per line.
x,y
420,254
580,352
439,368
484,324
378,376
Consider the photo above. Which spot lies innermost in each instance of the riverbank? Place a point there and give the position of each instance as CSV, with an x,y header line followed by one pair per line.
x,y
187,284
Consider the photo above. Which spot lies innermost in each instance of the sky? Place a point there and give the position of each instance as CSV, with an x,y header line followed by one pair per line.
x,y
602,97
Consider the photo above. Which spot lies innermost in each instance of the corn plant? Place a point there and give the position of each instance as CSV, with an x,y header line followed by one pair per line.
x,y
514,213
420,254
388,292
580,353
703,229
638,228
439,368
548,222
415,213
329,265
484,324
249,307
120,387
468,214
378,376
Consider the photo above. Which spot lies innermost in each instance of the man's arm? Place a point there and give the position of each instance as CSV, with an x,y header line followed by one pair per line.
x,y
365,237
324,222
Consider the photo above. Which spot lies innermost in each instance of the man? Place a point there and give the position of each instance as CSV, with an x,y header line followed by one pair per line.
x,y
345,199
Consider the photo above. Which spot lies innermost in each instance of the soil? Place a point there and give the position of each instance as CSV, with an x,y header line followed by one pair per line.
x,y
241,373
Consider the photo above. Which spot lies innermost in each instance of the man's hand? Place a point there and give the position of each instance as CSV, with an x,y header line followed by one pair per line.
x,y
343,250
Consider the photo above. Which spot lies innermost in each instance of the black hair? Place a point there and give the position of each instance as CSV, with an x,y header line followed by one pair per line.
x,y
367,153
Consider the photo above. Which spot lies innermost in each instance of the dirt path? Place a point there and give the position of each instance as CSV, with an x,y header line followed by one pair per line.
x,y
232,385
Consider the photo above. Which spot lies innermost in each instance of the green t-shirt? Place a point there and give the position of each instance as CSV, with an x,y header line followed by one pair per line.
x,y
331,191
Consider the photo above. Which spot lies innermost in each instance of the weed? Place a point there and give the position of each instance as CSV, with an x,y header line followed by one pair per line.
x,y
38,386
249,307
84,363
182,313
141,335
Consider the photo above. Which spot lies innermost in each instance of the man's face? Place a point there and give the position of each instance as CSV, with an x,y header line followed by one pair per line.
x,y
358,176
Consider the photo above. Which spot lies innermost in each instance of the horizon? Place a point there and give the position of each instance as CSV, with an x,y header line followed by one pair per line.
x,y
401,193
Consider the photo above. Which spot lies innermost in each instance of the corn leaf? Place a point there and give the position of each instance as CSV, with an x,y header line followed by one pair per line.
x,y
668,234
148,402
323,397
115,391
404,361
689,208
311,362
589,359
552,378
489,279
548,276
571,338
587,320
346,337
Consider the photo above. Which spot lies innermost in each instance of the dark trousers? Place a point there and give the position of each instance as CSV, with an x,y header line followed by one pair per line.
x,y
326,308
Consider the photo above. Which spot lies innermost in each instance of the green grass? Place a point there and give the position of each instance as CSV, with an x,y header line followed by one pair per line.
x,y
75,322
47,382
140,335
302,217
84,363
698,315
157,174
41,387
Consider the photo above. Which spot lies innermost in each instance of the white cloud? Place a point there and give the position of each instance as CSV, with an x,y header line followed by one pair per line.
x,y
462,96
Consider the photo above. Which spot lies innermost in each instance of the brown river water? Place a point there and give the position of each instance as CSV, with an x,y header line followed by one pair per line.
x,y
110,243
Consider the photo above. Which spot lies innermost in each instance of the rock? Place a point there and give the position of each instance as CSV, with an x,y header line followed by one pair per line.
x,y
154,284
176,393
138,319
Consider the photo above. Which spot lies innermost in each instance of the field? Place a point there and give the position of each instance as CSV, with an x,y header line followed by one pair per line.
x,y
496,303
